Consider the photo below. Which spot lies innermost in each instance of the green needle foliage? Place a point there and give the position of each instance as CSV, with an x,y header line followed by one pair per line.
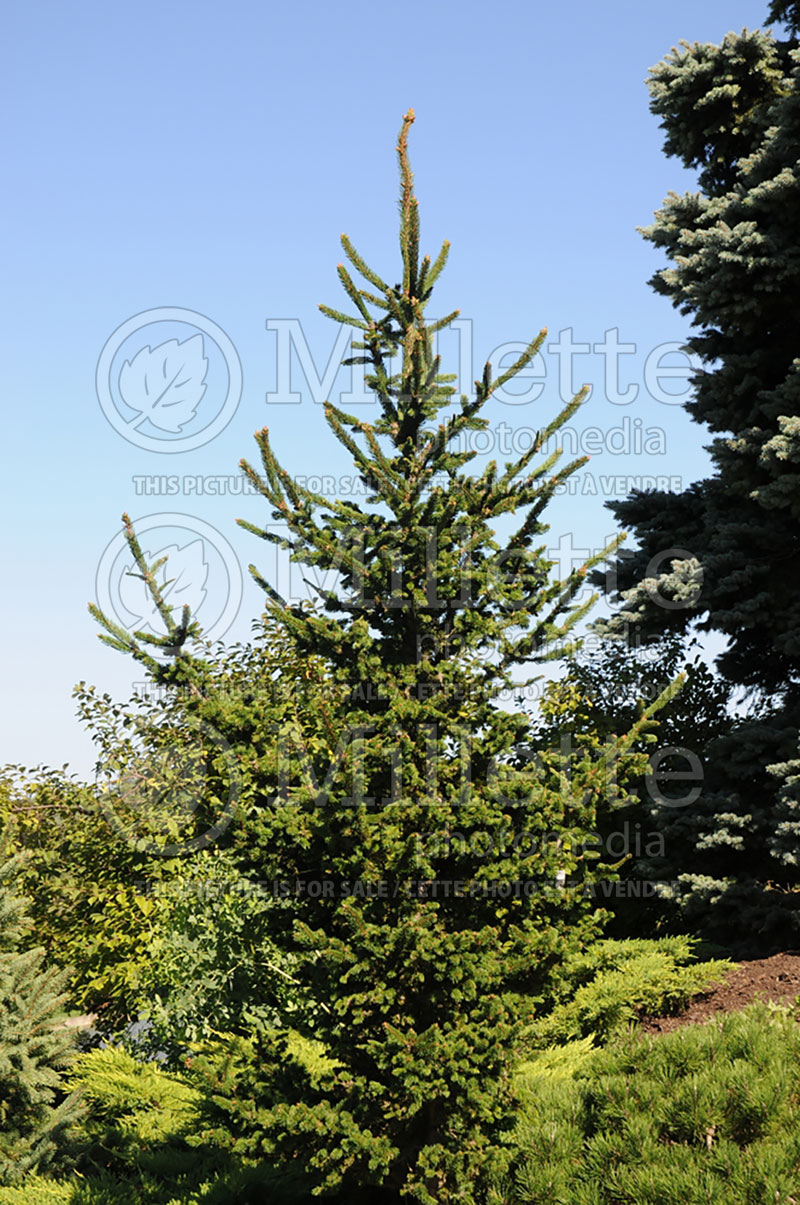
x,y
732,111
382,784
728,547
703,1116
614,982
36,1112
416,949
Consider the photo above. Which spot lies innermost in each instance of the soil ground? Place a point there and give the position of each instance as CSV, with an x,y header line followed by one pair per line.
x,y
776,978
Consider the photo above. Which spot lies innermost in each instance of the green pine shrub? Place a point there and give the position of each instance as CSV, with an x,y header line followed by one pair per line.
x,y
705,1114
133,1144
611,983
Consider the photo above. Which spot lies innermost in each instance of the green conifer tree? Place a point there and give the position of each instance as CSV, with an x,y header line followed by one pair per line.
x,y
727,548
35,1111
418,982
387,812
732,111
786,12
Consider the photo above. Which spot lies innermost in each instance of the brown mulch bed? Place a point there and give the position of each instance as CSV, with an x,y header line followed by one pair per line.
x,y
776,978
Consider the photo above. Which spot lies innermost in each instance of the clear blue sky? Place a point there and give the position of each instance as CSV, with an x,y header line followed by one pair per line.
x,y
206,157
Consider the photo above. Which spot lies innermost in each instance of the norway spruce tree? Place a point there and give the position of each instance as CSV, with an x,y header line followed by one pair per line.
x,y
430,868
728,547
425,927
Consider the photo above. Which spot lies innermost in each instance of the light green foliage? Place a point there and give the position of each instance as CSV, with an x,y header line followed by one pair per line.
x,y
85,885
248,1187
706,1114
132,1145
560,1062
140,1099
181,940
37,1191
137,1120
614,982
118,879
310,1054
211,964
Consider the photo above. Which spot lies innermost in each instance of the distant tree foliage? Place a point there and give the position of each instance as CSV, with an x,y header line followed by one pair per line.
x,y
786,12
731,111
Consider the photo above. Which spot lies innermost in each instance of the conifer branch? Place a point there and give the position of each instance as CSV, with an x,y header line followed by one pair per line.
x,y
353,294
339,316
361,266
443,322
374,299
435,272
521,362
